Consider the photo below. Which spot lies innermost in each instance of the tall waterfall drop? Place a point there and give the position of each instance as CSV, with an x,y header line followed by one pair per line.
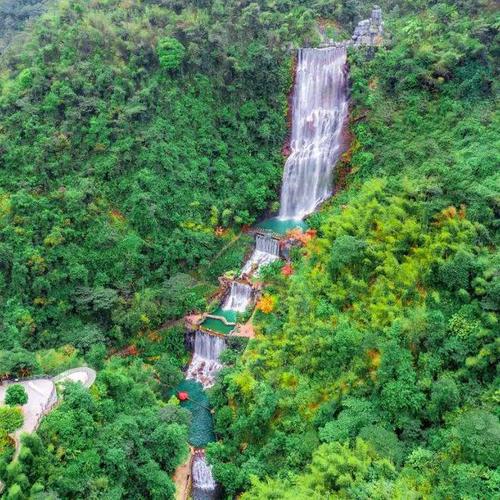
x,y
267,250
239,298
205,362
202,474
318,114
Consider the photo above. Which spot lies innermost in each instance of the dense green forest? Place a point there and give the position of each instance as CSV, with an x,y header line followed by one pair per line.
x,y
137,138
129,133
375,374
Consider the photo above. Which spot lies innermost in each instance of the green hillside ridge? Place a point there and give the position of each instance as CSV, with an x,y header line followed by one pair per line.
x,y
122,151
375,375
137,139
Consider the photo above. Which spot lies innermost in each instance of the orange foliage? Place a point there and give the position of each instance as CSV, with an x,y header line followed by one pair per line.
x,y
131,350
450,212
116,216
301,236
421,291
374,356
287,269
266,304
154,336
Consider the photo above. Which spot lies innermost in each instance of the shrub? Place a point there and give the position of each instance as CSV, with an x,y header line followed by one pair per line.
x,y
170,53
10,419
16,395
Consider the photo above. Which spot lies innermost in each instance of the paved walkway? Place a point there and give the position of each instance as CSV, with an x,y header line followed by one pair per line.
x,y
42,397
86,376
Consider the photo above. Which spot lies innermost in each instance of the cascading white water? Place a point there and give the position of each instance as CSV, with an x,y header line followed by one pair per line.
x,y
205,362
239,298
202,473
318,114
266,250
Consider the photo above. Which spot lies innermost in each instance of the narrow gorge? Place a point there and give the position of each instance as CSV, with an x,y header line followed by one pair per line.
x,y
319,113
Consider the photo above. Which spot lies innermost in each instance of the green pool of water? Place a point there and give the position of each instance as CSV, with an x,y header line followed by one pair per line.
x,y
229,315
217,325
201,431
281,226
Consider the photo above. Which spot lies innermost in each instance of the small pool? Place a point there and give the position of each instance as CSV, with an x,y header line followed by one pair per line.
x,y
216,325
230,315
201,430
281,226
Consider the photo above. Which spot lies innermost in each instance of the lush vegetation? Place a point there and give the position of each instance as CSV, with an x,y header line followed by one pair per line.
x,y
138,137
16,395
118,441
374,375
131,136
15,15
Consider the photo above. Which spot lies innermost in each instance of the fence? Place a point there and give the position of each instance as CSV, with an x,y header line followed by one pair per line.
x,y
52,401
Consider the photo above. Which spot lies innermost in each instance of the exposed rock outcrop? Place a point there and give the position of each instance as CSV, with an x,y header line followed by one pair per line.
x,y
370,31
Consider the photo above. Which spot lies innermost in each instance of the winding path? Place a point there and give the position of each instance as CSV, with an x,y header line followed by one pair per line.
x,y
42,397
86,376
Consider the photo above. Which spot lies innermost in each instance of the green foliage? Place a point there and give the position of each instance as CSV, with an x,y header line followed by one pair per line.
x,y
119,173
134,135
168,372
336,471
10,419
114,441
170,53
382,345
479,434
54,361
16,395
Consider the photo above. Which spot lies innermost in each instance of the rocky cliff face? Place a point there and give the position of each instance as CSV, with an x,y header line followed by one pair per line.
x,y
369,31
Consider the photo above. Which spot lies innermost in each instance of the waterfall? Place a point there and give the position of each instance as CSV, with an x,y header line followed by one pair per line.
x,y
266,250
204,485
318,114
205,362
239,297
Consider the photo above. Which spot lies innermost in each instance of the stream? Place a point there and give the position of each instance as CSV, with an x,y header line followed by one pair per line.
x,y
319,111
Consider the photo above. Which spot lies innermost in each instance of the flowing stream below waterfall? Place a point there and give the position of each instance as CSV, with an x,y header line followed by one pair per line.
x,y
319,112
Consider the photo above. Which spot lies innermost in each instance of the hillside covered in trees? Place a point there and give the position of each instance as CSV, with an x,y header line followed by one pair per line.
x,y
138,138
375,372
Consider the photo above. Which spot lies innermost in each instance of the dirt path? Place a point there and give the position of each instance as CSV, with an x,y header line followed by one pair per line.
x,y
245,330
182,478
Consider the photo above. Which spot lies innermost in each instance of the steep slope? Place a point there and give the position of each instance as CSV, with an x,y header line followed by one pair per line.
x,y
129,133
374,372
15,15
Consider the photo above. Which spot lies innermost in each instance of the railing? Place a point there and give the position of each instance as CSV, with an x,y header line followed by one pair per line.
x,y
52,401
